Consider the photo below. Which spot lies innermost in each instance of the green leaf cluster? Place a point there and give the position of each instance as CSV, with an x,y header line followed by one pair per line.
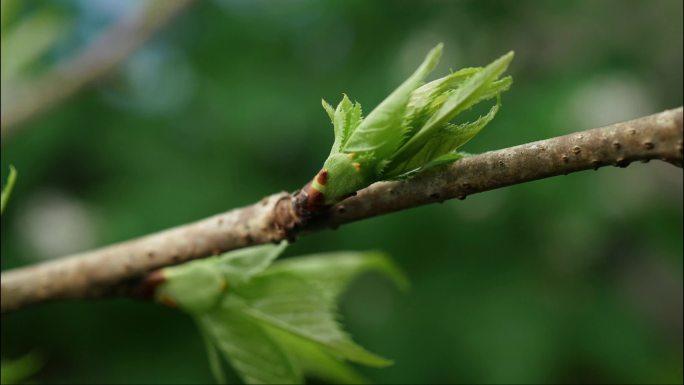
x,y
411,129
275,323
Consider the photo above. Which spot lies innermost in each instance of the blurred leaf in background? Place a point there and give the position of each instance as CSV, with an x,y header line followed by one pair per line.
x,y
570,279
7,188
27,37
20,370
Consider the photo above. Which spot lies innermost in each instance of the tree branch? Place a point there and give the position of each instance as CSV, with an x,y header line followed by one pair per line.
x,y
114,268
106,52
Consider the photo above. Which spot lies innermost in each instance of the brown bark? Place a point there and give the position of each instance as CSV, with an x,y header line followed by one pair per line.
x,y
121,266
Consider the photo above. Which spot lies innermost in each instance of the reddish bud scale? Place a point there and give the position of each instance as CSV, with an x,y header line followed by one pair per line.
x,y
315,200
322,177
168,301
149,284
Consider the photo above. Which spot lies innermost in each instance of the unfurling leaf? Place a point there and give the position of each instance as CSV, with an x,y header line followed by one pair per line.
x,y
409,131
278,323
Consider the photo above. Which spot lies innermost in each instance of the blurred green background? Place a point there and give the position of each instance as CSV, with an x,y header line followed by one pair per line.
x,y
571,279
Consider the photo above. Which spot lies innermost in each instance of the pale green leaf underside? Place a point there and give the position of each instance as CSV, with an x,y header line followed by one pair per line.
x,y
314,361
213,353
295,305
275,324
241,265
199,285
333,271
254,354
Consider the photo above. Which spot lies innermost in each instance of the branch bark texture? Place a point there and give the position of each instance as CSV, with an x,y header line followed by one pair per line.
x,y
108,270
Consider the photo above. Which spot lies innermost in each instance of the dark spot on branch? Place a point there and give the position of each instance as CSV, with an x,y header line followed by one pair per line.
x,y
621,162
434,195
649,145
576,150
565,158
616,145
247,239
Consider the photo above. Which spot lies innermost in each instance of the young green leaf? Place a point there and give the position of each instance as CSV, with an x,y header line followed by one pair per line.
x,y
254,354
199,285
439,145
7,190
333,271
329,110
316,362
461,99
346,118
274,324
381,132
295,305
409,131
213,353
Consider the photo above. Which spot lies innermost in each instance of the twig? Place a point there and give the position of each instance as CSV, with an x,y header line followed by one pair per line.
x,y
106,52
106,270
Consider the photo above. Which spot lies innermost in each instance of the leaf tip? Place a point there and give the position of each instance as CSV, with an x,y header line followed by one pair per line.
x,y
433,56
506,58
